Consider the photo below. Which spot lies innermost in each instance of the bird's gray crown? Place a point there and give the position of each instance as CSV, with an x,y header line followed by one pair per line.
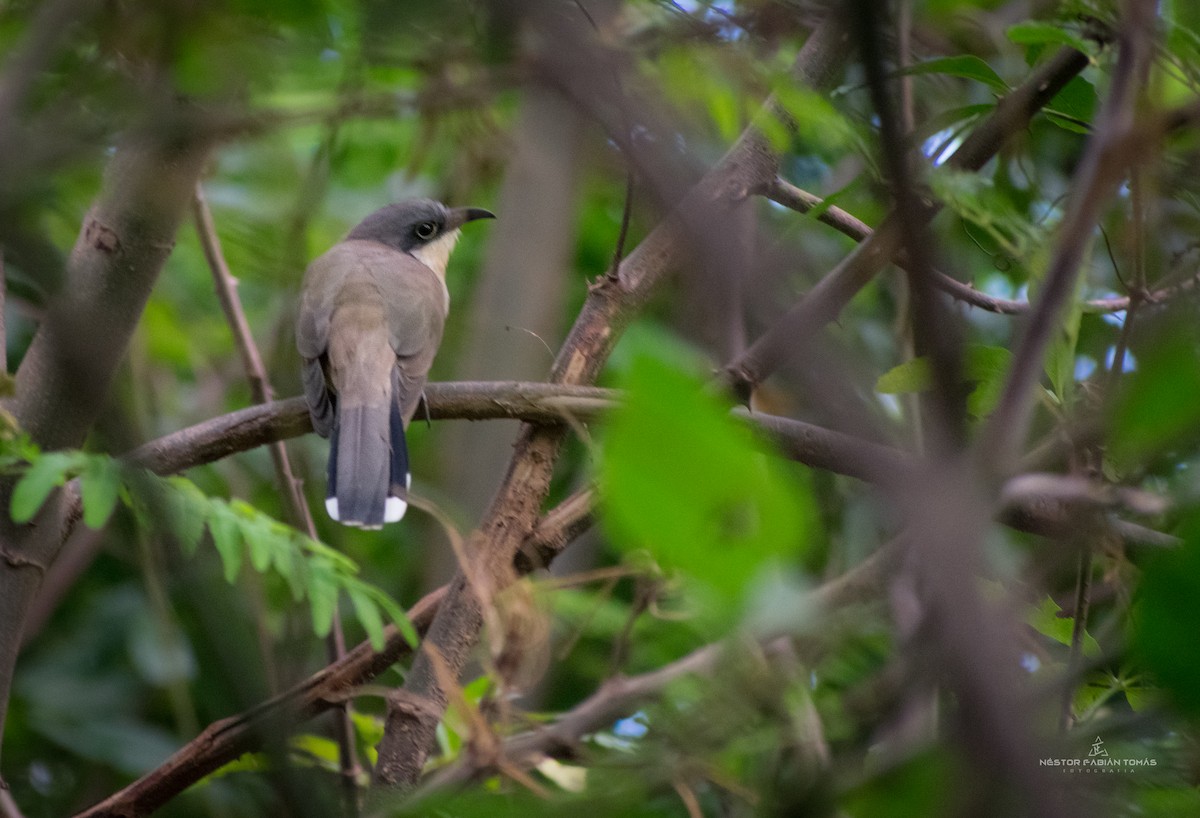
x,y
413,223
404,225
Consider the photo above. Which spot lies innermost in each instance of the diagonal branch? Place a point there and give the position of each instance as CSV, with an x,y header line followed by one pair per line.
x,y
621,695
1107,156
800,200
225,740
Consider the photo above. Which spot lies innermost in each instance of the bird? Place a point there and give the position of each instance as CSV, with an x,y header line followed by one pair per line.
x,y
372,310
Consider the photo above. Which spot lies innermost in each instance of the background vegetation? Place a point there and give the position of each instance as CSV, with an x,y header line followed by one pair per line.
x,y
946,563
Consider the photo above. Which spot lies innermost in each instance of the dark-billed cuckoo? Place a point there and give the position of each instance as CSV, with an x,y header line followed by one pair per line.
x,y
372,311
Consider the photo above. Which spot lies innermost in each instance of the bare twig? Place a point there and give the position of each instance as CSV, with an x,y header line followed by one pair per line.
x,y
788,195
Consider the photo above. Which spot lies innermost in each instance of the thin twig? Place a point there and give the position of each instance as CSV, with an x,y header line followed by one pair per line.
x,y
626,211
795,198
296,503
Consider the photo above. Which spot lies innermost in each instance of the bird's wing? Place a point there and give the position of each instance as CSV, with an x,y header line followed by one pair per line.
x,y
416,315
322,282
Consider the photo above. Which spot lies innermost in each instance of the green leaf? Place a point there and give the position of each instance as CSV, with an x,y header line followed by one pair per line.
x,y
397,614
1074,107
1036,33
1166,617
1157,407
976,199
256,533
988,367
322,595
99,489
968,67
322,750
186,509
227,537
915,375
684,480
46,474
1045,619
286,556
366,612
818,123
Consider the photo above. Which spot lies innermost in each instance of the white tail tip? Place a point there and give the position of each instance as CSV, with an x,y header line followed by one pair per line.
x,y
393,509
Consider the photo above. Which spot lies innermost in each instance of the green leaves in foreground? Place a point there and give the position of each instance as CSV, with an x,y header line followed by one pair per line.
x,y
985,366
1166,617
175,506
685,480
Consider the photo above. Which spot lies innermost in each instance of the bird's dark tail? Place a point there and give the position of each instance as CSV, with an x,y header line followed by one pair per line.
x,y
368,465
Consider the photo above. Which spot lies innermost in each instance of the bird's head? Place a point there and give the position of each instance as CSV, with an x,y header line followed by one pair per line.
x,y
423,228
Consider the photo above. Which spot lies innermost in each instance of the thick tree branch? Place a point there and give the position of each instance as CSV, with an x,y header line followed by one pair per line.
x,y
64,377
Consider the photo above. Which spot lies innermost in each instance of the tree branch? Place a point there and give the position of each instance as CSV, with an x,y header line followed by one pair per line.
x,y
800,200
225,740
621,695
1107,154
826,300
1023,507
64,377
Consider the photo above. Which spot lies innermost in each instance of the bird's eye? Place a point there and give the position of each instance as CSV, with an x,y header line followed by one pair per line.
x,y
425,230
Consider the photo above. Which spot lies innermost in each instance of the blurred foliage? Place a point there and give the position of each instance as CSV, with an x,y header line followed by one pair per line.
x,y
335,107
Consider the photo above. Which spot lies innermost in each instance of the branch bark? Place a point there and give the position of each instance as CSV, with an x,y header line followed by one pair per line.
x,y
64,378
800,200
